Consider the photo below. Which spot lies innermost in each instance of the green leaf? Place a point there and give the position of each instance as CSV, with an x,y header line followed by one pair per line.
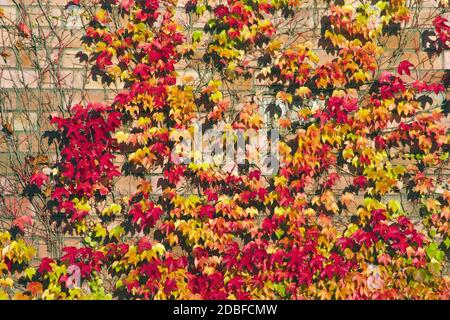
x,y
351,136
281,289
447,243
382,5
394,206
116,232
444,156
30,272
420,275
434,267
433,252
197,36
211,23
88,240
200,10
279,233
222,37
432,233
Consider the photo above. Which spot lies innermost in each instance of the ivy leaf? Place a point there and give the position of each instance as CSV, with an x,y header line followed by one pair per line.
x,y
100,231
435,267
24,30
382,5
404,67
197,36
116,232
279,233
200,10
3,295
394,206
222,37
30,272
447,242
39,179
35,288
433,252
159,249
303,92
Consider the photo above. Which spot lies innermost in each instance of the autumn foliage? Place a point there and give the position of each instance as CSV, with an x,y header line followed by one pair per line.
x,y
357,143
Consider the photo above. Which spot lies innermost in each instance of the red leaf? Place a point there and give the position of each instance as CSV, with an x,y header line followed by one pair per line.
x,y
207,211
221,11
211,195
420,86
39,179
126,4
45,265
104,59
24,30
380,142
35,288
169,286
360,181
385,77
404,66
22,221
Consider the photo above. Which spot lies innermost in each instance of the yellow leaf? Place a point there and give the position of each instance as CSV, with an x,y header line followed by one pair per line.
x,y
172,238
360,76
347,198
21,296
100,231
159,249
116,232
284,97
3,295
303,92
132,256
394,205
8,282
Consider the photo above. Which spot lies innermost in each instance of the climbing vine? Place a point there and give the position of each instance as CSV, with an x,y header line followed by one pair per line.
x,y
358,207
